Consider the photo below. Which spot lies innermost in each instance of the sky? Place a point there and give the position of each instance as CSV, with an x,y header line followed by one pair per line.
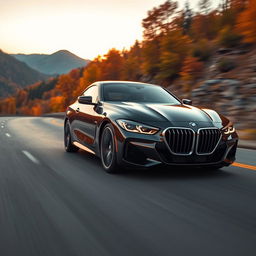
x,y
87,28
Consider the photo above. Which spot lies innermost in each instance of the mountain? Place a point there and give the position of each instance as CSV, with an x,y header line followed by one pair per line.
x,y
16,74
60,62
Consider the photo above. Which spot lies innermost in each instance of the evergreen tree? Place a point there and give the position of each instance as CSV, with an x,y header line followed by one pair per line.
x,y
205,6
187,18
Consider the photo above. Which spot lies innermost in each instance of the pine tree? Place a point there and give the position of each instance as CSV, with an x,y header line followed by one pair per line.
x,y
187,18
205,6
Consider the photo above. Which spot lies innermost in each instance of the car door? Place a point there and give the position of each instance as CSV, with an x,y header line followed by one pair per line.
x,y
87,117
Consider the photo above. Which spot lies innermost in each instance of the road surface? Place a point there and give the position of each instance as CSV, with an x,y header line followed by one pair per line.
x,y
56,203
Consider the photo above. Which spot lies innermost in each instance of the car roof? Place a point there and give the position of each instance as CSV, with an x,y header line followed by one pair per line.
x,y
124,82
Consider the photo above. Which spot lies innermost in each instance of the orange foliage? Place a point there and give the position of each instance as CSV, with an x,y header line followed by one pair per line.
x,y
246,24
170,38
21,98
57,104
36,110
191,70
8,106
66,86
112,65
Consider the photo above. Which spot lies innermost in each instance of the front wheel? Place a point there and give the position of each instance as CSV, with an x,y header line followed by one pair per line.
x,y
69,147
107,150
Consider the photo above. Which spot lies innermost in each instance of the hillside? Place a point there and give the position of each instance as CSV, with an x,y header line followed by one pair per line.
x,y
15,74
60,62
230,91
207,56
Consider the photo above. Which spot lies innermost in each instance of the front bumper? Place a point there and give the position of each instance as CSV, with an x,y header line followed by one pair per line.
x,y
146,151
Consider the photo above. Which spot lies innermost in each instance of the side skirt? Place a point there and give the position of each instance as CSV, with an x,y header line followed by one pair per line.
x,y
79,145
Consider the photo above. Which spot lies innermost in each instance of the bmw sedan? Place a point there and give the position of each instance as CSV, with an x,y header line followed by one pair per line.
x,y
132,124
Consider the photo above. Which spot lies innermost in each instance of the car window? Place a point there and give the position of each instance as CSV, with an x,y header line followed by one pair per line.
x,y
92,91
137,93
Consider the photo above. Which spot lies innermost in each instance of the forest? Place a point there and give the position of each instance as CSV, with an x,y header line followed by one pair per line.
x,y
177,43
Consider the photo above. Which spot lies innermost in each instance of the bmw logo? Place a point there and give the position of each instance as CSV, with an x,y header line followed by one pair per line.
x,y
192,124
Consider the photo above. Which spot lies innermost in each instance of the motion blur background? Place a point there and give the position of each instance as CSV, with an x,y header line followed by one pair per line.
x,y
204,50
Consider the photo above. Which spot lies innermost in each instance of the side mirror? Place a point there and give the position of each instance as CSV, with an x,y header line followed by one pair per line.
x,y
187,101
85,100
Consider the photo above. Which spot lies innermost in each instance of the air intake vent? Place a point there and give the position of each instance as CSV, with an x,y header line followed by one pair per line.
x,y
208,140
180,140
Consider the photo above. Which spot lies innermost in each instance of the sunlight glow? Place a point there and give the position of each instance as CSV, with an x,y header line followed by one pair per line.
x,y
85,27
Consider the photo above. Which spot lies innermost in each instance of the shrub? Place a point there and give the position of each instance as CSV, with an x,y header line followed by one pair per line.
x,y
225,65
228,38
202,50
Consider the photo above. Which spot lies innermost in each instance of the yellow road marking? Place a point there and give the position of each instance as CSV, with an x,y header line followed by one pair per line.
x,y
246,166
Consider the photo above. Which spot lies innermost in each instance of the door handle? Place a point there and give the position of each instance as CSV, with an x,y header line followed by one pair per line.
x,y
78,110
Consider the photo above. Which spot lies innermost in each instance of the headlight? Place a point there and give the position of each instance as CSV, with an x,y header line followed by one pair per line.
x,y
229,129
131,126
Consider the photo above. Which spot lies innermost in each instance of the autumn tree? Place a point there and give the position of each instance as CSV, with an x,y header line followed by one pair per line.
x,y
174,47
57,104
151,58
205,24
21,97
90,74
112,65
229,12
228,37
67,84
8,106
190,72
158,20
246,22
132,63
36,110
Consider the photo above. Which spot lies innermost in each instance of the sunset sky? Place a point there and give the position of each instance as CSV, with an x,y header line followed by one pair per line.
x,y
84,27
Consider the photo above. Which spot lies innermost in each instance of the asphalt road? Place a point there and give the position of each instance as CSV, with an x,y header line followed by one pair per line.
x,y
55,203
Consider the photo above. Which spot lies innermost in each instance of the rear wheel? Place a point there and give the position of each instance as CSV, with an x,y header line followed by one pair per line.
x,y
69,147
107,150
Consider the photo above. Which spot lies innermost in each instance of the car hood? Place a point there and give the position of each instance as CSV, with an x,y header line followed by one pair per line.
x,y
162,113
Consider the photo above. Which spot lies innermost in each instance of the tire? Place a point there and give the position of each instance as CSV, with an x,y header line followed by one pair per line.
x,y
69,147
107,150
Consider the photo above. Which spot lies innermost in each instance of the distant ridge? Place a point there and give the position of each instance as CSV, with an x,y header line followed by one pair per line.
x,y
15,74
60,62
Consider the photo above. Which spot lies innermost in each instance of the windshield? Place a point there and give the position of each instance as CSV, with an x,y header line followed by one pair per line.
x,y
131,92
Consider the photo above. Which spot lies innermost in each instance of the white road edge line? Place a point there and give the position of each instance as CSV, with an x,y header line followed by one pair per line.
x,y
8,135
30,157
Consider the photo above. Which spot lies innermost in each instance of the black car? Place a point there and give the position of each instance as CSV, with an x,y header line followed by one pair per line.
x,y
142,125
